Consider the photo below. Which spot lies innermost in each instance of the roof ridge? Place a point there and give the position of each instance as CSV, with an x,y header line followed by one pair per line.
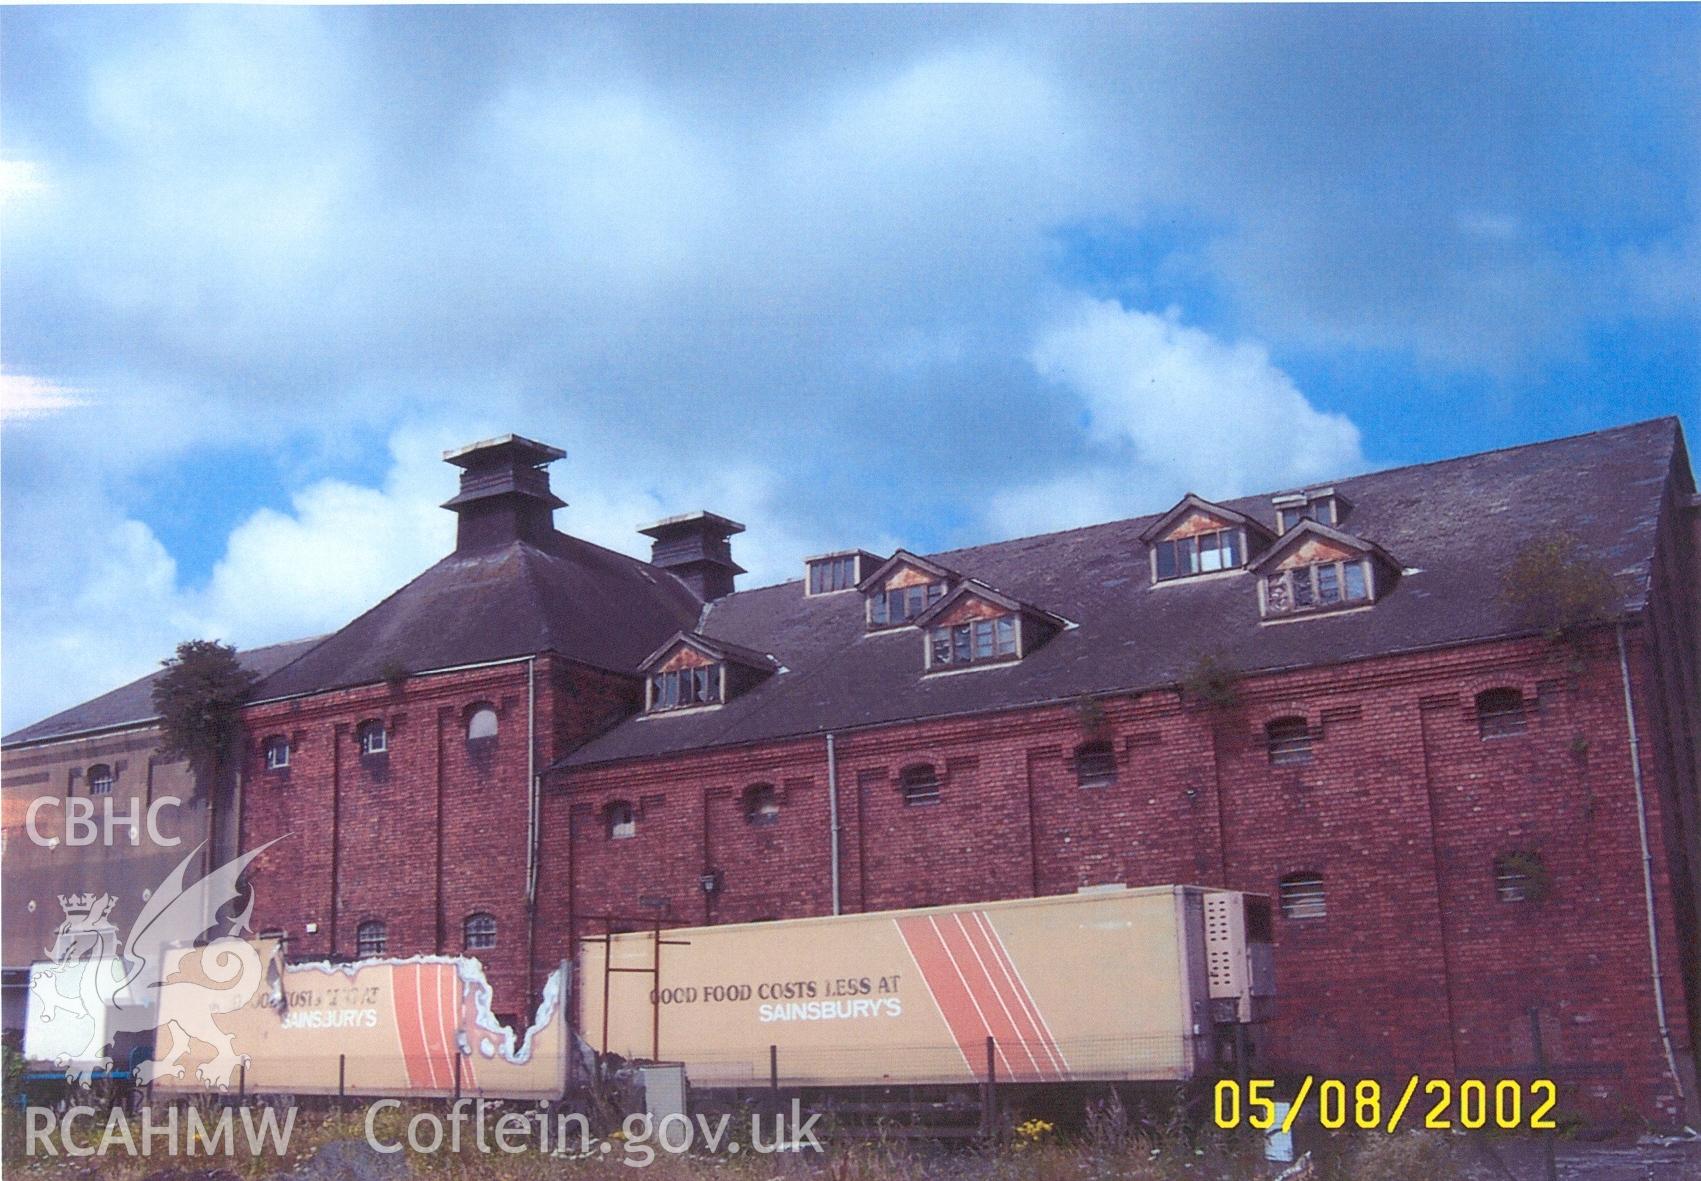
x,y
940,555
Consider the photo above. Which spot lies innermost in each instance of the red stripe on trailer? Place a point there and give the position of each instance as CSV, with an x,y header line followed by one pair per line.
x,y
991,1000
1036,1023
955,1004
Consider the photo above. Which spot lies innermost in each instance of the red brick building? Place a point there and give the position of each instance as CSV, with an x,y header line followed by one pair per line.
x,y
1327,695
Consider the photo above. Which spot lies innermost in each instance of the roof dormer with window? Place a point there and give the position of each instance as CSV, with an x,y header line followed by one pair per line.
x,y
1324,505
842,570
1197,537
692,671
902,588
976,625
1316,568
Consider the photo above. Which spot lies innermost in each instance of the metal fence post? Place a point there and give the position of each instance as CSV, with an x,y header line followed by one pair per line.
x,y
989,1097
342,1076
1550,1165
457,1074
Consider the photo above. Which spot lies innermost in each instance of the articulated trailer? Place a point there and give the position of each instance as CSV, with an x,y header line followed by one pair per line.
x,y
1110,984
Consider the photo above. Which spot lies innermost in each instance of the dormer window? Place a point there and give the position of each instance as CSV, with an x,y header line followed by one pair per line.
x,y
978,625
1203,553
829,573
1198,537
693,671
1317,568
904,588
966,643
901,604
682,688
1323,505
1315,587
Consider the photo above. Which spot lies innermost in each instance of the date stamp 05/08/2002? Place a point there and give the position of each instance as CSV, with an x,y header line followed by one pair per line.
x,y
1511,1104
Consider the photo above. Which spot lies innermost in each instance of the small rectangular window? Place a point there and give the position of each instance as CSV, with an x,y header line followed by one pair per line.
x,y
983,639
1166,560
1357,592
1006,636
1300,581
1328,583
960,643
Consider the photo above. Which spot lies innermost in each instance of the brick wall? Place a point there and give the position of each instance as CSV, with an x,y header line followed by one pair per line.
x,y
1418,966
429,833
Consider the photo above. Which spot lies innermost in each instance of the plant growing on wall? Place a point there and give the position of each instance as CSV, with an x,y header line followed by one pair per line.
x,y
198,699
1553,586
1211,680
1090,711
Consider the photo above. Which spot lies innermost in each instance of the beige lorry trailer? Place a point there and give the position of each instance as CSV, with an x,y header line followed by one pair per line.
x,y
1108,984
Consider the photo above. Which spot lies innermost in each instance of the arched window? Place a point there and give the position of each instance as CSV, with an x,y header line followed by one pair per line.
x,y
919,784
373,740
277,753
1500,713
100,780
1095,764
1289,742
1302,896
371,939
622,821
761,804
481,722
479,931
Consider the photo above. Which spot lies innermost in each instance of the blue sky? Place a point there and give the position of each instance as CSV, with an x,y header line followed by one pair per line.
x,y
855,276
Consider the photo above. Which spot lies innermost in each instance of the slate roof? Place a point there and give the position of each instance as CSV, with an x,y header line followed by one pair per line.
x,y
1453,524
565,596
132,705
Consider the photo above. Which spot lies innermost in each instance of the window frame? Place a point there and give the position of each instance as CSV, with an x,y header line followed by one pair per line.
x,y
1303,896
368,932
1280,592
960,645
475,711
1097,749
1520,877
98,774
363,734
931,593
1496,721
484,937
753,803
833,573
1294,747
269,748
624,829
1225,539
663,689
919,792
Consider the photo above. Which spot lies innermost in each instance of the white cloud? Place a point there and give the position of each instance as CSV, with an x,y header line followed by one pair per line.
x,y
22,396
1170,409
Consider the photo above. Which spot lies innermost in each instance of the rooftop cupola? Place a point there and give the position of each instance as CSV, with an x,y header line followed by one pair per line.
x,y
504,494
694,548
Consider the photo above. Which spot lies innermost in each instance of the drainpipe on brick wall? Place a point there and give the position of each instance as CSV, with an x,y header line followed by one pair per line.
x,y
833,825
531,824
1647,865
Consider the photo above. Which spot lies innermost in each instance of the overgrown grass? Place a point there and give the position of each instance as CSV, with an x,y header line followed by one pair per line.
x,y
1108,1147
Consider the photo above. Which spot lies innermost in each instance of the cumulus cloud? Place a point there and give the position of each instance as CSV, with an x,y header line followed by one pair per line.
x,y
1170,408
762,261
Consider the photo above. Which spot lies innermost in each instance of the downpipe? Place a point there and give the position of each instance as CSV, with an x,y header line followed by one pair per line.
x,y
833,825
1647,865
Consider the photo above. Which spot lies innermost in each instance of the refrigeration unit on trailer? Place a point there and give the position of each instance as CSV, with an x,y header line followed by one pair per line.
x,y
1109,984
